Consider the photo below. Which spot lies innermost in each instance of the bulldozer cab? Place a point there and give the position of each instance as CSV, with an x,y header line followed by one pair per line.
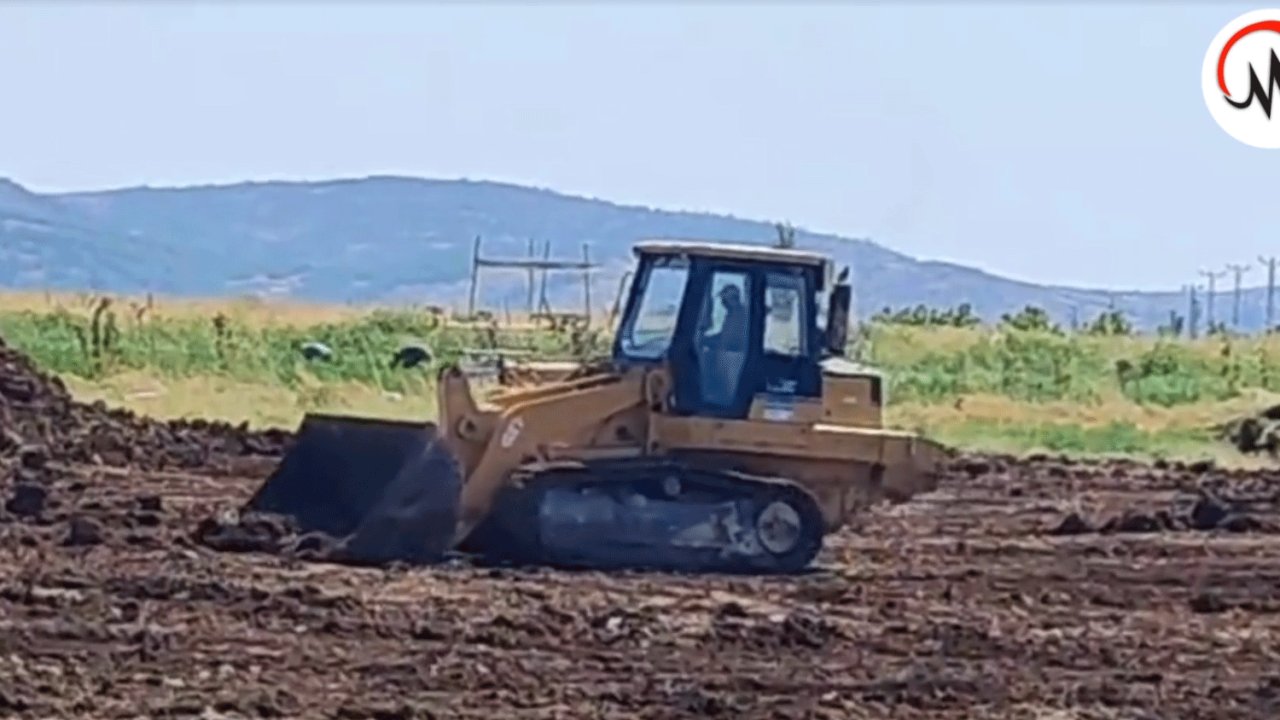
x,y
733,323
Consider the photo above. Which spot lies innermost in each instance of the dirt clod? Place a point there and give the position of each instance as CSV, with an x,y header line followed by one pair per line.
x,y
1207,514
260,533
1072,524
150,503
83,532
27,499
1208,603
33,457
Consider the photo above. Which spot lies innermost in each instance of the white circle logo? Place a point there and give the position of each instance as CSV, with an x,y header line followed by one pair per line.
x,y
1241,78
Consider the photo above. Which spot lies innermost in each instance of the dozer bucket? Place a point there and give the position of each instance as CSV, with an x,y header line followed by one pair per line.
x,y
387,489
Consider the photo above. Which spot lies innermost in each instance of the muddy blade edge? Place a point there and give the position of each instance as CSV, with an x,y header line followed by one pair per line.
x,y
388,489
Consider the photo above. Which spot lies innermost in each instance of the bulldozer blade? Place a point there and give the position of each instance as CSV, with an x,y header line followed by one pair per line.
x,y
388,490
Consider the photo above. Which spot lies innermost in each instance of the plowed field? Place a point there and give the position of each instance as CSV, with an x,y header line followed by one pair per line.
x,y
1037,588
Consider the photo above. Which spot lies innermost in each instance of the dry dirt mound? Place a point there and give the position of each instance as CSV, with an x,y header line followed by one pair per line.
x,y
55,451
40,420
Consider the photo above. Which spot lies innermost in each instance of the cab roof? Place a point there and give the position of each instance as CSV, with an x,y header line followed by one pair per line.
x,y
710,248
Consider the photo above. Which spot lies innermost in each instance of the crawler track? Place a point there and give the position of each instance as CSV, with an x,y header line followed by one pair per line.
x,y
656,515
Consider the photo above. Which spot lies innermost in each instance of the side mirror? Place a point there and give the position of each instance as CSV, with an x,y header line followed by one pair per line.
x,y
837,335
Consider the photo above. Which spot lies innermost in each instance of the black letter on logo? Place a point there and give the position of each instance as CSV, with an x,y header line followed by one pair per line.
x,y
1256,88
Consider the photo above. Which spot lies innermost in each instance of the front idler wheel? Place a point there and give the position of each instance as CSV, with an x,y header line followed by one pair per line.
x,y
790,530
779,528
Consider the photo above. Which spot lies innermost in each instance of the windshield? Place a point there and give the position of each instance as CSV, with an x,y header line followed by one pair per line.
x,y
647,333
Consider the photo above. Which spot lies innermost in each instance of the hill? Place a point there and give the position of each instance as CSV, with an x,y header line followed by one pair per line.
x,y
403,239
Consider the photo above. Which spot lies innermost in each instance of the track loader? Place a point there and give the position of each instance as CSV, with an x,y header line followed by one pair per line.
x,y
726,433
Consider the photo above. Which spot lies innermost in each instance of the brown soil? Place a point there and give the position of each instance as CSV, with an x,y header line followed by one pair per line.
x,y
40,421
970,602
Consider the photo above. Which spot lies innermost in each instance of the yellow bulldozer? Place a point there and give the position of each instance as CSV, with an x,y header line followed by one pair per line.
x,y
727,432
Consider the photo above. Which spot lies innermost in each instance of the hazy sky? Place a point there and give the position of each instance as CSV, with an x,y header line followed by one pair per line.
x,y
1055,143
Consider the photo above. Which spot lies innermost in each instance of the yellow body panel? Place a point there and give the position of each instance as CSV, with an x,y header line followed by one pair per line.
x,y
846,468
848,401
845,465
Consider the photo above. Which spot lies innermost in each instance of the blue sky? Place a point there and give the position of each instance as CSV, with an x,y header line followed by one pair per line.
x,y
1055,143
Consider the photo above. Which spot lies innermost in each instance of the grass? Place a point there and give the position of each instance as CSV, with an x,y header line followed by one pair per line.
x,y
240,360
260,404
993,423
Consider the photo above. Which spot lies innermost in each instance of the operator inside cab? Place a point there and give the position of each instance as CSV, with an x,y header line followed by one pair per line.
x,y
723,352
733,328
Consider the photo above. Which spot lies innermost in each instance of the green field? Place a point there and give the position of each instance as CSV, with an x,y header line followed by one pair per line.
x,y
998,387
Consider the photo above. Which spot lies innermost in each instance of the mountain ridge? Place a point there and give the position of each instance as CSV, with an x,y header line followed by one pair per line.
x,y
395,238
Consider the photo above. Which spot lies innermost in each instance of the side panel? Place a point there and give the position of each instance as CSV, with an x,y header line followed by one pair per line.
x,y
831,442
845,467
852,401
775,408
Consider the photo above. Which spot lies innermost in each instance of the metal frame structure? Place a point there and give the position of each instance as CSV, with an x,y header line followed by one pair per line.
x,y
531,265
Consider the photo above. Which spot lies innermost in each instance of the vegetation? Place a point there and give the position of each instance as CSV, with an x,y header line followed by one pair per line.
x,y
1023,383
923,316
98,342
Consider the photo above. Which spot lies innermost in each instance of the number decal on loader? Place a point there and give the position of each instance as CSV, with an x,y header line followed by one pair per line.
x,y
512,432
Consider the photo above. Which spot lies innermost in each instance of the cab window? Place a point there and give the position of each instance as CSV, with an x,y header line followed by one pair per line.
x,y
786,323
647,332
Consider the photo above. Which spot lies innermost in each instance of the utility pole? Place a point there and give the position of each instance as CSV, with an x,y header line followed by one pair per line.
x,y
1186,322
1213,279
1238,270
475,278
1271,292
1193,313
